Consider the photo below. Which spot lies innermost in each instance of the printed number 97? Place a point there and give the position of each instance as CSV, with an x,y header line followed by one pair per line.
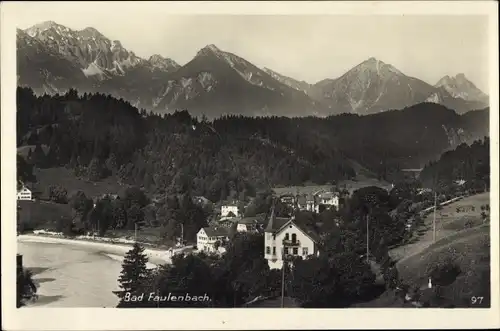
x,y
475,300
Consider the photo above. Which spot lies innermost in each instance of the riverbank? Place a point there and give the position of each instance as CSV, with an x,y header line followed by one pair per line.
x,y
108,246
81,271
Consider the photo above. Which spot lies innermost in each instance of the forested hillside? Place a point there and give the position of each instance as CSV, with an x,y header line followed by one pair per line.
x,y
97,136
468,163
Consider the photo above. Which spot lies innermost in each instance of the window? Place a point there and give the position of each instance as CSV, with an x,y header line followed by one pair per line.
x,y
304,251
286,250
295,251
287,237
294,237
274,250
268,250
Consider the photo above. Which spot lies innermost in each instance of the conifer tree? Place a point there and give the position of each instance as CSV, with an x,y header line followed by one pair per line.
x,y
134,272
94,170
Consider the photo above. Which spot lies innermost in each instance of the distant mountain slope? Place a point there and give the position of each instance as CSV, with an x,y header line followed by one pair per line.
x,y
411,137
53,58
217,82
293,83
371,87
461,106
460,87
45,70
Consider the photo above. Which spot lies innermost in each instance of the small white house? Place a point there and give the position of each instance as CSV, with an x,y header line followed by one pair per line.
x,y
24,194
227,210
209,239
250,224
284,237
329,199
308,202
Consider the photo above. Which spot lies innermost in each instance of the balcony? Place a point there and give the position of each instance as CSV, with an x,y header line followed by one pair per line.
x,y
291,243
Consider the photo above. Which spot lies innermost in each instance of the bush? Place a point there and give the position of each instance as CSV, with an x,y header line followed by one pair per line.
x,y
67,227
391,278
445,273
57,194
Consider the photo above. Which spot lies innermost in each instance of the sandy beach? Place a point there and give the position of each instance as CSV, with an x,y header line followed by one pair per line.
x,y
77,273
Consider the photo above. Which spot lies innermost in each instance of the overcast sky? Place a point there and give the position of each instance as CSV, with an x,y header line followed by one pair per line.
x,y
308,48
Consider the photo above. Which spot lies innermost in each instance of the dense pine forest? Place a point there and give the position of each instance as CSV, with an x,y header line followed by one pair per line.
x,y
97,135
468,163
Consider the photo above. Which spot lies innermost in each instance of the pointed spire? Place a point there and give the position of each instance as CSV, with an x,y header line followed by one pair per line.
x,y
270,223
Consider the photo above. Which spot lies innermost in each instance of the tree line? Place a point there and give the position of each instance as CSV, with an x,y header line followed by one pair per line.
x,y
470,164
233,156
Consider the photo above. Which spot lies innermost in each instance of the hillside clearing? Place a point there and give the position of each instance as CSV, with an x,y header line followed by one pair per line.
x,y
461,238
35,215
448,223
66,179
351,186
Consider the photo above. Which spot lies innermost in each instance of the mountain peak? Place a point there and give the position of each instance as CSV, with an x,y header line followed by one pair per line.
x,y
209,49
163,63
372,60
212,48
92,32
156,57
379,67
44,26
459,86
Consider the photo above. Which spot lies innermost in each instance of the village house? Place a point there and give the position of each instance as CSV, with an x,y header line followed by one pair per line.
x,y
308,202
227,222
229,210
329,199
289,200
210,239
286,237
24,194
251,224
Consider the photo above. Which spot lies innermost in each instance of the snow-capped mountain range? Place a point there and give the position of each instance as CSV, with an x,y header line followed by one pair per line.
x,y
53,58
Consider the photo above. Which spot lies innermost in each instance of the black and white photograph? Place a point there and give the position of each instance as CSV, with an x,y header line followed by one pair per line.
x,y
175,159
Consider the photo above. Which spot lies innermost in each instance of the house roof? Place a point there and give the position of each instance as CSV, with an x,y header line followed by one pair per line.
x,y
327,195
259,219
308,230
229,219
277,224
216,231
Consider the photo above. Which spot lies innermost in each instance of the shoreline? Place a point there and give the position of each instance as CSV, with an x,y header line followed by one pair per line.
x,y
156,256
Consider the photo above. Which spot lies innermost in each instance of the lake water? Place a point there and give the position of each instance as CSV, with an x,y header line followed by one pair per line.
x,y
69,276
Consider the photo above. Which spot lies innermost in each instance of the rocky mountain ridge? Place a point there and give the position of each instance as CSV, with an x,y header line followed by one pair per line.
x,y
52,58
